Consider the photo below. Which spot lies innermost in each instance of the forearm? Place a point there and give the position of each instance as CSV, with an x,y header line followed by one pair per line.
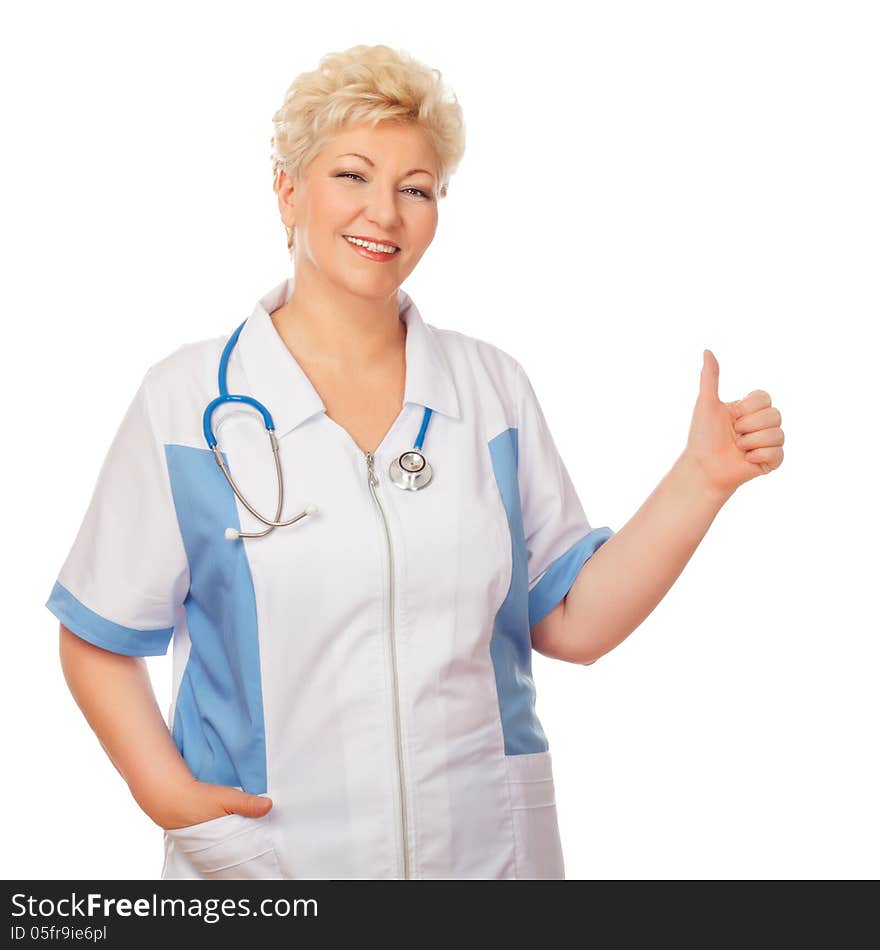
x,y
116,696
625,579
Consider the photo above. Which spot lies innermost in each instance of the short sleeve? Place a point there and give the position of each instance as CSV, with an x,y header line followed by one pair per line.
x,y
127,573
558,537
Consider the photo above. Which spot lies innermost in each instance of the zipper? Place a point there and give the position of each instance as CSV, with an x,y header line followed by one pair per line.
x,y
373,480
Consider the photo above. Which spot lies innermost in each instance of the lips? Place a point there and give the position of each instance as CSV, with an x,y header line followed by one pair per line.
x,y
363,251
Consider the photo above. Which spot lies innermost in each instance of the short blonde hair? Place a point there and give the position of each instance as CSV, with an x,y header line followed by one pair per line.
x,y
365,84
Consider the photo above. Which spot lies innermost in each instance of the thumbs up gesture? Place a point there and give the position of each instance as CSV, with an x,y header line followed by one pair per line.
x,y
733,442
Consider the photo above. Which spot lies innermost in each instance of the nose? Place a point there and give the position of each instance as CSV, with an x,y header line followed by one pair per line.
x,y
382,208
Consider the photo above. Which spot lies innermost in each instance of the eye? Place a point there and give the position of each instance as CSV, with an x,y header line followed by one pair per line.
x,y
418,191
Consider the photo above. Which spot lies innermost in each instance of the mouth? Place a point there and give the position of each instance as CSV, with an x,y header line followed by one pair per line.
x,y
378,242
367,252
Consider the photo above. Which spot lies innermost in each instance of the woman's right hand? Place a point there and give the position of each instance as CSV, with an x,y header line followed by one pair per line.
x,y
192,802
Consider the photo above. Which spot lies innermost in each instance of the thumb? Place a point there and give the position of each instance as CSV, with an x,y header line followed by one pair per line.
x,y
243,803
709,375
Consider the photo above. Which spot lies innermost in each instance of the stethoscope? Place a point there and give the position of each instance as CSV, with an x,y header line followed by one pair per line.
x,y
409,470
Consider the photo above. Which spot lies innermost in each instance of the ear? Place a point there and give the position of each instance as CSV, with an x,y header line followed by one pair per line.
x,y
284,187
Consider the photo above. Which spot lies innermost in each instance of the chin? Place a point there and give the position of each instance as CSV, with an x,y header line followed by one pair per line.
x,y
370,285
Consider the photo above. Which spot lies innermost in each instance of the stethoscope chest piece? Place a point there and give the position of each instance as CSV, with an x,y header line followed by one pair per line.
x,y
410,470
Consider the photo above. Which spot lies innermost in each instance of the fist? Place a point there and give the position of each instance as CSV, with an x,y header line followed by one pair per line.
x,y
733,442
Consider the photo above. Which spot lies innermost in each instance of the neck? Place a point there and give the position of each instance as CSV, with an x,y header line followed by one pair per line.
x,y
327,326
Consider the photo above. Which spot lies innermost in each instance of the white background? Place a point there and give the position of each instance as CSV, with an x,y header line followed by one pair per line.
x,y
641,181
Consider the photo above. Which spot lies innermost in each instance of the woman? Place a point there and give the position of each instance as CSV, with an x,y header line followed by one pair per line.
x,y
352,692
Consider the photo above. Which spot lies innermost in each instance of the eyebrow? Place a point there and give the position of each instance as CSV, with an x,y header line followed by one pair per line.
x,y
412,171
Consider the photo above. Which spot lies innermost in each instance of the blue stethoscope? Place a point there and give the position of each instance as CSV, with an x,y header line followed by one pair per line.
x,y
409,470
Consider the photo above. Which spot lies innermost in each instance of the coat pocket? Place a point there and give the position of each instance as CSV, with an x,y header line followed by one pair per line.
x,y
535,823
231,847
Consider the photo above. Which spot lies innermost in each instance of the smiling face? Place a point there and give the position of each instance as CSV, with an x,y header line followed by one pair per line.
x,y
389,194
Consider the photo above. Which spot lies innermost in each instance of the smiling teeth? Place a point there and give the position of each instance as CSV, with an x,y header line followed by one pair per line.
x,y
384,248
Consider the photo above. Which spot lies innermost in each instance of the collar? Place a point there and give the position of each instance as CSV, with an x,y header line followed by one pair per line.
x,y
278,381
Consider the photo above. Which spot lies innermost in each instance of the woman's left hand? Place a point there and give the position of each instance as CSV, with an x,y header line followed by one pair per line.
x,y
733,442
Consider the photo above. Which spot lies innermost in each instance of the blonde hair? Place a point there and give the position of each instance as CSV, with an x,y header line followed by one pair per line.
x,y
365,84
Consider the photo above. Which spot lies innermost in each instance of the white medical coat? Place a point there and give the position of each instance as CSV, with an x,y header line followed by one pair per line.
x,y
369,667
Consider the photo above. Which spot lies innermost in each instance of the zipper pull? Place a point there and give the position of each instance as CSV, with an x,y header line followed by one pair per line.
x,y
371,472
